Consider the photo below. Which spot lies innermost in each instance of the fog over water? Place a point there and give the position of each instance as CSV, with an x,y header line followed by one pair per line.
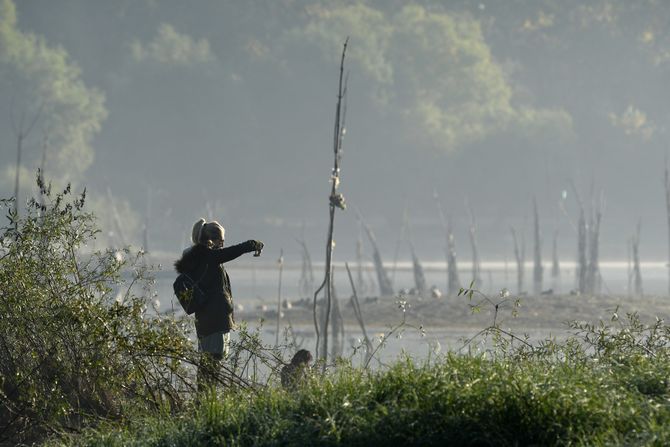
x,y
168,111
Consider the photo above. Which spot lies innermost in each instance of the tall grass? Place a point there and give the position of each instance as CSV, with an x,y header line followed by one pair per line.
x,y
564,394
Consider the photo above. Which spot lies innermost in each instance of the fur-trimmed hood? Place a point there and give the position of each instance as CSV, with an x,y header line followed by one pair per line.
x,y
190,259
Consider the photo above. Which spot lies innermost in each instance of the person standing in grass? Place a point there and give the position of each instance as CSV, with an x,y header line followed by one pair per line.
x,y
213,323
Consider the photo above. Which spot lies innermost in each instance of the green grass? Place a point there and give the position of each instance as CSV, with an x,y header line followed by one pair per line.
x,y
459,400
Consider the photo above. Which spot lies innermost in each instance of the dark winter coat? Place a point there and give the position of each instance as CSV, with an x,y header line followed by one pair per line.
x,y
206,265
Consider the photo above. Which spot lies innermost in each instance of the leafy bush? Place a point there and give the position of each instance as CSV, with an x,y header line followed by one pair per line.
x,y
76,341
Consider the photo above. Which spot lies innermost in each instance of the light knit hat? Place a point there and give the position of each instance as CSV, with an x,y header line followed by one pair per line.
x,y
197,229
213,229
204,231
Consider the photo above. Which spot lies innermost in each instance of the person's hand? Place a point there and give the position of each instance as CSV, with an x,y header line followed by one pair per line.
x,y
255,246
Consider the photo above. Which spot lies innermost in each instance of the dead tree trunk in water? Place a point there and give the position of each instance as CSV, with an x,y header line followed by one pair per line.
x,y
593,280
637,274
453,283
582,235
404,231
306,282
419,276
555,265
360,280
21,133
337,323
519,256
385,286
537,252
476,268
336,200
581,252
43,166
667,209
145,227
116,219
280,264
359,316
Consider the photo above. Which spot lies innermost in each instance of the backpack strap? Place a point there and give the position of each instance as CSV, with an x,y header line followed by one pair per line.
x,y
195,283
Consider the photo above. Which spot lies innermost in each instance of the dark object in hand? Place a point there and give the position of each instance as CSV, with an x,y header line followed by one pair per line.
x,y
256,247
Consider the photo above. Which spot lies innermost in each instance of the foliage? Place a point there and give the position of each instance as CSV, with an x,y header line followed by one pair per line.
x,y
76,341
547,399
43,77
453,91
607,384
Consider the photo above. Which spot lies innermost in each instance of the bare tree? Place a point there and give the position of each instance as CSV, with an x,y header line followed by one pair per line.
x,y
359,316
637,275
419,276
593,279
401,239
453,282
667,208
555,264
537,252
280,264
336,200
476,267
582,235
519,255
145,226
115,220
21,132
337,323
306,282
360,280
385,286
43,166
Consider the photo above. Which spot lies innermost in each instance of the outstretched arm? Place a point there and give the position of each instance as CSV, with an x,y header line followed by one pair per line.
x,y
221,255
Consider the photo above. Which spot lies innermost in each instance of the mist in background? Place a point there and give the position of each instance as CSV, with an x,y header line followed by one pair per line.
x,y
167,111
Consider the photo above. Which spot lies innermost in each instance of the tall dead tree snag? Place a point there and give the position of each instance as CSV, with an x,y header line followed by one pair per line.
x,y
581,252
593,280
360,279
582,237
385,285
453,282
337,323
419,276
21,132
359,316
667,210
537,252
280,265
520,257
336,200
555,265
476,267
306,281
635,250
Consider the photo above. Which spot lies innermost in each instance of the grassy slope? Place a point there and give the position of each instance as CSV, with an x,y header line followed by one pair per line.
x,y
462,400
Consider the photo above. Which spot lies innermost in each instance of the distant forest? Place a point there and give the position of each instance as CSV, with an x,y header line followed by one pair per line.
x,y
170,110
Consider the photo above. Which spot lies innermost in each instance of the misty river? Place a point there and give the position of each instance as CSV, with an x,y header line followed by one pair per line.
x,y
255,291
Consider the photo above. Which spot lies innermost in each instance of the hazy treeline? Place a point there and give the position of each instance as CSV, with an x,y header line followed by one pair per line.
x,y
170,111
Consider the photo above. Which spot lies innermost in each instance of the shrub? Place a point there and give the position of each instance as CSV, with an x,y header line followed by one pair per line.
x,y
76,340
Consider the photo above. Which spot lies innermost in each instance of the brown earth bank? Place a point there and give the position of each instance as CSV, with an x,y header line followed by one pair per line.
x,y
545,314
